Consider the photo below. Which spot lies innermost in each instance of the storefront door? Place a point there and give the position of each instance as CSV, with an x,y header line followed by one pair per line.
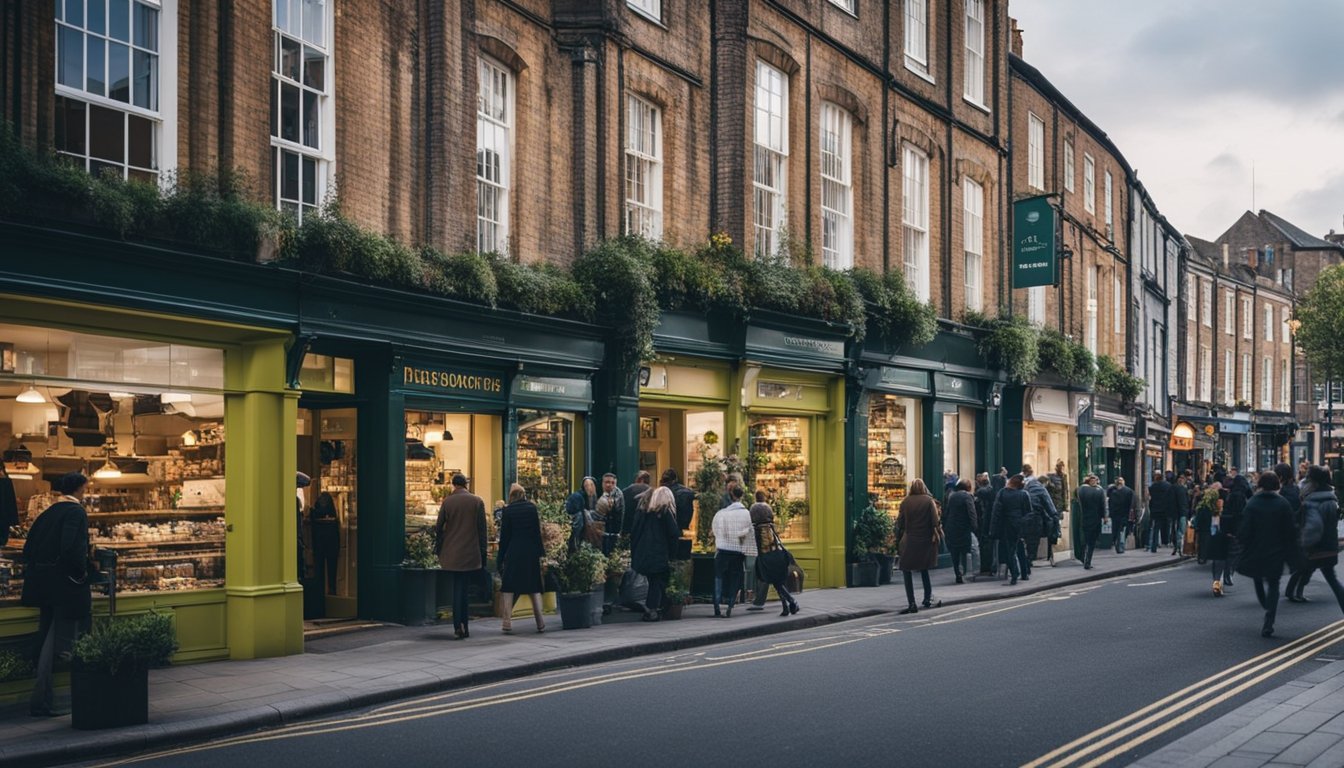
x,y
327,454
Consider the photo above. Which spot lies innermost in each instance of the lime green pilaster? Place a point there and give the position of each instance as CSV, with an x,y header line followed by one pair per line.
x,y
265,600
829,482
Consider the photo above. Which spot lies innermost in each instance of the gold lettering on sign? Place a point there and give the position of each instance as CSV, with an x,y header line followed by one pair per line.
x,y
450,380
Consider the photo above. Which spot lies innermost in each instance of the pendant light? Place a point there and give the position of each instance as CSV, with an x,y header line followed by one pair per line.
x,y
434,432
172,396
108,471
31,395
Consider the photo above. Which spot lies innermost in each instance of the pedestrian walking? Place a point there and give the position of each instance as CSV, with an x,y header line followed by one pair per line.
x,y
1120,500
985,495
1057,483
1092,509
762,523
519,556
960,521
1268,537
1180,512
1011,508
1161,504
1047,514
653,539
1214,529
918,533
1234,508
56,583
1320,540
734,542
460,532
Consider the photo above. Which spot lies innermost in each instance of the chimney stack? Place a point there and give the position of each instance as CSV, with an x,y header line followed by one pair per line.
x,y
1016,37
1225,264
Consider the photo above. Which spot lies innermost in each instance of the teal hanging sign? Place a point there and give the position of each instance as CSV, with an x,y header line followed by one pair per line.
x,y
1034,255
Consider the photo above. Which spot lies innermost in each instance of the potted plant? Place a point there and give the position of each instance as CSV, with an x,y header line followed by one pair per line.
x,y
618,562
871,529
678,593
109,679
419,579
576,573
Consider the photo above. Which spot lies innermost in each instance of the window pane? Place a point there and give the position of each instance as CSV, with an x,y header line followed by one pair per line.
x,y
281,14
146,91
71,43
74,12
98,168
309,181
119,72
275,108
107,133
97,16
146,27
311,126
141,141
95,82
314,69
289,112
119,14
313,22
70,126
290,58
289,175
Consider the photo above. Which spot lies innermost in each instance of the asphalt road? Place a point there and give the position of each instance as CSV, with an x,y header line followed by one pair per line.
x,y
993,684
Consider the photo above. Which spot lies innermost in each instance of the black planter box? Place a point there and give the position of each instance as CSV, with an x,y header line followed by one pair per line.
x,y
885,565
102,700
574,610
702,575
419,595
863,574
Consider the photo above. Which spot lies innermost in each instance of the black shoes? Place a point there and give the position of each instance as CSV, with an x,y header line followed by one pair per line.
x,y
1013,582
1267,632
650,616
912,609
53,712
793,608
960,580
932,604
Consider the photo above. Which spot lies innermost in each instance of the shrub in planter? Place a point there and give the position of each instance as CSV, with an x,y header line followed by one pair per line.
x,y
1114,379
109,680
419,579
678,593
1010,343
1072,361
14,666
576,574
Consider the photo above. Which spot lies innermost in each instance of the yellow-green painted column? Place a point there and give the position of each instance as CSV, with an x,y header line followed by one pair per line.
x,y
832,491
265,599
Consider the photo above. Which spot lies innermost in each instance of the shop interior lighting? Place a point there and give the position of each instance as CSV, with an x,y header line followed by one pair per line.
x,y
31,395
108,471
435,432
170,398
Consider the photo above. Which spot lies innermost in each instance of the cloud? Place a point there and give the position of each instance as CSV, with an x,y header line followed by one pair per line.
x,y
1320,209
1226,164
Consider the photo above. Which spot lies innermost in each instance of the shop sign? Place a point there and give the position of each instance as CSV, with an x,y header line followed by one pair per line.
x,y
1034,228
799,344
440,380
1153,451
1049,405
1182,437
956,388
900,379
1125,437
548,386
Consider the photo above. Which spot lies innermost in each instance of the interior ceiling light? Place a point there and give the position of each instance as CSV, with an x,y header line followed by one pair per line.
x,y
434,433
108,471
31,395
169,398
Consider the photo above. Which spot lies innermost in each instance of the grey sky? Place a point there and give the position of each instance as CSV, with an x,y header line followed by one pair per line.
x,y
1196,91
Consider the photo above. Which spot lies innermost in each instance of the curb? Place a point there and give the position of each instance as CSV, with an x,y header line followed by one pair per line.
x,y
49,751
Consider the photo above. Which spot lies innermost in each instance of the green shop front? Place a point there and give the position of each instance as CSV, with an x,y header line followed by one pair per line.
x,y
767,396
437,388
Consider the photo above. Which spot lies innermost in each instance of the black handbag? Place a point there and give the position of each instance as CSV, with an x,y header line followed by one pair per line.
x,y
773,567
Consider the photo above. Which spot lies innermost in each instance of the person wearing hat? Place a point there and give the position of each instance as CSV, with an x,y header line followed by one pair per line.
x,y
461,543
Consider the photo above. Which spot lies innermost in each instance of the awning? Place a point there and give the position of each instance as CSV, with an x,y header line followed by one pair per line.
x,y
1049,405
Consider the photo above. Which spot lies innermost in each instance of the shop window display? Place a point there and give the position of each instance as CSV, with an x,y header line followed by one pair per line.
x,y
778,460
145,421
893,445
545,445
440,445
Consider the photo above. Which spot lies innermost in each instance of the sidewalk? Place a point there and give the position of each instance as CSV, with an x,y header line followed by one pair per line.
x,y
1298,724
341,672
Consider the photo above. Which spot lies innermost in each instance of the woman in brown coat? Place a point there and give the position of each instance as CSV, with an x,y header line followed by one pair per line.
x,y
918,532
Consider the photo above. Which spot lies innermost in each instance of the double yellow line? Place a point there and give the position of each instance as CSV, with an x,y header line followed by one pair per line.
x,y
1106,743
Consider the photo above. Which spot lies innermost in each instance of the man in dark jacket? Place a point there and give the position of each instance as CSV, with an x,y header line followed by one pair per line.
x,y
1091,510
960,521
1160,504
1121,502
985,495
685,497
1044,506
1180,513
633,494
1268,535
1011,505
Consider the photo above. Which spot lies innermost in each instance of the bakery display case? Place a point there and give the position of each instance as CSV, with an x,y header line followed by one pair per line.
x,y
544,445
892,438
778,457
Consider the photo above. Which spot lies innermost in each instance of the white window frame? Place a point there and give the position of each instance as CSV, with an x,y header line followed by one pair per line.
x,y
1285,388
915,220
1267,384
653,9
1036,305
163,118
1247,318
1089,184
837,186
918,41
1069,168
1118,301
770,159
1206,302
495,133
1229,377
1285,331
323,156
643,168
1108,201
973,242
1205,374
848,6
1090,331
973,89
1230,313
1269,322
1246,394
1035,152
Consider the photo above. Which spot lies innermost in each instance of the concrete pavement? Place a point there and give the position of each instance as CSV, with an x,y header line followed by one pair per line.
x,y
201,701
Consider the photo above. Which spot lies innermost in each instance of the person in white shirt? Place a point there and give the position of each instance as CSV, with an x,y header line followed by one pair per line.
x,y
734,542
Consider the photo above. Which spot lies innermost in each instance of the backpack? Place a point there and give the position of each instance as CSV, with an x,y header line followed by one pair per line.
x,y
1029,526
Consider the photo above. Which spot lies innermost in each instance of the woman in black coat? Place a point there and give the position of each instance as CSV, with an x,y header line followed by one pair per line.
x,y
1320,541
652,536
520,553
960,520
1010,507
1268,537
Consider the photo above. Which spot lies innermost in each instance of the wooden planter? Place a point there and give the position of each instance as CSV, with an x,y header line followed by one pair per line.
x,y
672,611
